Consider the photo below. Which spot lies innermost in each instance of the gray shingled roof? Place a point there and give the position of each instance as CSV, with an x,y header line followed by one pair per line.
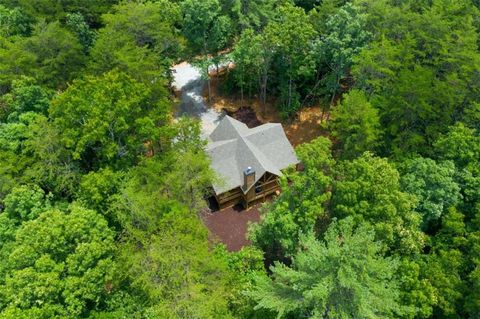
x,y
233,147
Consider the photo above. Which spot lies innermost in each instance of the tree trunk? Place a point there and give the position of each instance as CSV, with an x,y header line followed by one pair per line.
x,y
241,93
209,86
290,92
205,53
317,82
337,82
264,93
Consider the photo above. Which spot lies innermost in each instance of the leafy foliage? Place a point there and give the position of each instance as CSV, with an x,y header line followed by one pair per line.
x,y
298,209
433,184
341,277
345,37
100,186
64,273
105,120
368,189
355,123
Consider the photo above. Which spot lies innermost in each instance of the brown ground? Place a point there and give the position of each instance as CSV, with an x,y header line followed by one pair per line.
x,y
230,225
245,115
305,127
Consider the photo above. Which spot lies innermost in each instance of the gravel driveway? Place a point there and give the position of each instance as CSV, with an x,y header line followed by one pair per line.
x,y
188,80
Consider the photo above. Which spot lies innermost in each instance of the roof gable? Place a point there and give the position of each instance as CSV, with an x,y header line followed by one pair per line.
x,y
233,147
228,128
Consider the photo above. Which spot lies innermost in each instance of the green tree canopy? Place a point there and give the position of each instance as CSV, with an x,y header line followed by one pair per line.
x,y
58,54
176,270
343,276
301,206
345,36
291,36
57,10
14,22
420,69
368,189
109,120
355,123
62,275
26,96
433,184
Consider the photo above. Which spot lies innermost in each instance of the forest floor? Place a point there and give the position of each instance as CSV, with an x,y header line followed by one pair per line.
x,y
305,127
230,225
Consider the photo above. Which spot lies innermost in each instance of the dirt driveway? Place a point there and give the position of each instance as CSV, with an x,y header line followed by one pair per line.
x,y
230,225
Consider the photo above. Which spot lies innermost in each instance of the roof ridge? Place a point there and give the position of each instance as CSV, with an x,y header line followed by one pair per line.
x,y
235,123
262,128
265,158
213,144
262,160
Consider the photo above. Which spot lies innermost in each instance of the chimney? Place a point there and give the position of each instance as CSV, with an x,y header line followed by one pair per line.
x,y
248,177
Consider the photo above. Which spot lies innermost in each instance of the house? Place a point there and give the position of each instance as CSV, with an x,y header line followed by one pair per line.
x,y
248,161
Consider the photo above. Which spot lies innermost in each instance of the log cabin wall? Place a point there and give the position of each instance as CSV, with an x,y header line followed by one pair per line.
x,y
230,198
267,185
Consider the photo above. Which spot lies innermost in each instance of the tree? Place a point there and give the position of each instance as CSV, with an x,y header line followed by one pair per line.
x,y
254,14
343,276
180,177
355,123
291,36
434,186
207,30
49,162
471,116
105,120
165,261
420,69
77,24
17,158
446,265
63,275
307,4
345,36
249,61
301,208
461,145
316,155
149,24
58,54
253,55
417,291
14,22
23,203
472,299
26,96
244,265
175,270
118,51
368,189
54,11
140,39
96,189
15,62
